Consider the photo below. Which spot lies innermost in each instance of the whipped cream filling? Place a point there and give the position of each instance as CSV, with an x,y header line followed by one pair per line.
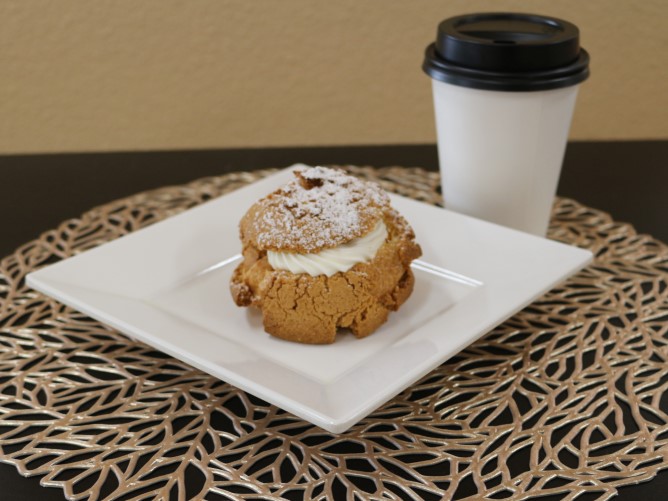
x,y
330,261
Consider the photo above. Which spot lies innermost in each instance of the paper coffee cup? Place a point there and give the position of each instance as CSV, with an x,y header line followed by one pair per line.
x,y
504,89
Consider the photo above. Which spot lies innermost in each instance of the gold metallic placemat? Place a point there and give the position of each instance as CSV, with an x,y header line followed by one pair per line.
x,y
568,396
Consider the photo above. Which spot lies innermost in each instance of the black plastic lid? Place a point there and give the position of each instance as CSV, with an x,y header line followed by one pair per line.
x,y
507,52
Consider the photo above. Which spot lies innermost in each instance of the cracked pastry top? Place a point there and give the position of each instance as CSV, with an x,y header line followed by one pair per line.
x,y
325,251
322,208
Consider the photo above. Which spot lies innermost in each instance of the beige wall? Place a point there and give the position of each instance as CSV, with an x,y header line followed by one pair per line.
x,y
81,75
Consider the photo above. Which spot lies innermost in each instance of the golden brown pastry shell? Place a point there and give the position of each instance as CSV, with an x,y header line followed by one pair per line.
x,y
307,309
279,222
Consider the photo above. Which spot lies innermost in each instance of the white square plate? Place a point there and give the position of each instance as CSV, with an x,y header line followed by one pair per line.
x,y
167,285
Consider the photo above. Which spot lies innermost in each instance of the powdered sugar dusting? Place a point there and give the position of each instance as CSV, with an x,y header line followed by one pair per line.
x,y
321,208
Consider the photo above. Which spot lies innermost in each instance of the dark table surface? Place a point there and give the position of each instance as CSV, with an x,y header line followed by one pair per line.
x,y
629,180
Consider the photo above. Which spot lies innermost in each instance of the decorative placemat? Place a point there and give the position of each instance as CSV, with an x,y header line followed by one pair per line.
x,y
568,396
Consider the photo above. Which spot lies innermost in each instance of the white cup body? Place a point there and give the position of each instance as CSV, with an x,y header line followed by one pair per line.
x,y
500,153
